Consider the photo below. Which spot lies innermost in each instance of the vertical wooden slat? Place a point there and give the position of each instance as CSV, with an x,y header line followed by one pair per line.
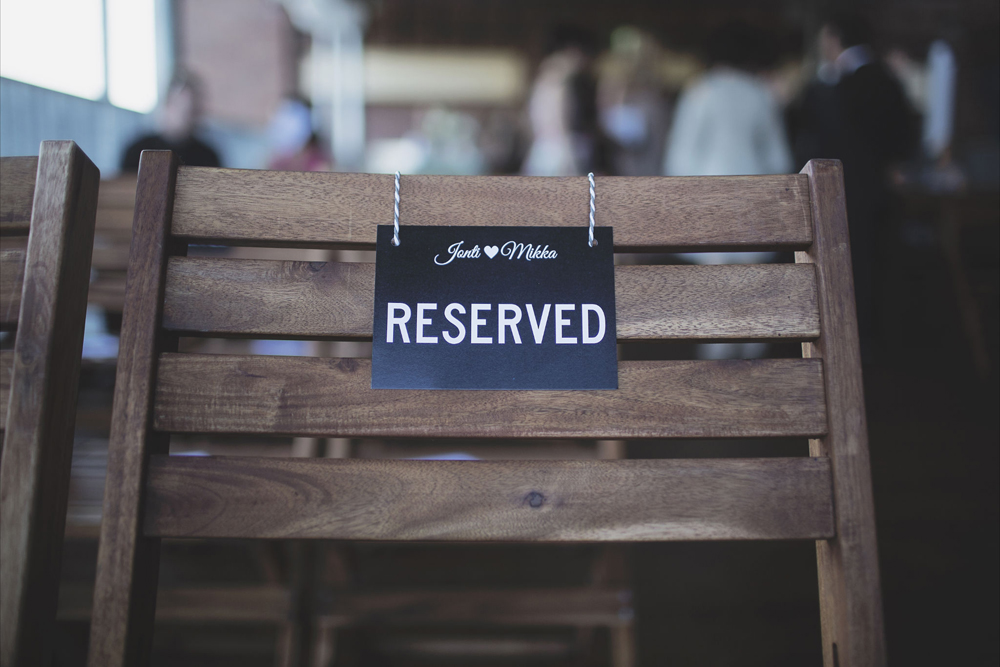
x,y
38,441
125,591
850,590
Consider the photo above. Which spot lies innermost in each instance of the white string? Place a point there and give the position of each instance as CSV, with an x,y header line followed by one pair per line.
x,y
395,215
591,241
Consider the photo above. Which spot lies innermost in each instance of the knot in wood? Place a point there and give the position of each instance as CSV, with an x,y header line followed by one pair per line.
x,y
535,499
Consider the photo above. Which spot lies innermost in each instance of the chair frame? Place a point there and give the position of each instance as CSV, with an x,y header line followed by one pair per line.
x,y
826,497
53,200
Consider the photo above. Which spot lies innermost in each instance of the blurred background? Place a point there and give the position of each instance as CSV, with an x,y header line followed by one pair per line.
x,y
907,94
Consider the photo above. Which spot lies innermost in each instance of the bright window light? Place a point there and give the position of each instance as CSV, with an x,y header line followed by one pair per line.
x,y
57,44
132,54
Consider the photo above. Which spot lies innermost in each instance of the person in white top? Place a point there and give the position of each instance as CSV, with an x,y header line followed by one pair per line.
x,y
728,123
563,108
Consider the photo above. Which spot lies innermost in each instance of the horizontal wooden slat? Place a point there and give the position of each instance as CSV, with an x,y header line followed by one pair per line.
x,y
115,221
263,604
316,209
11,285
593,606
108,291
6,371
110,256
117,193
459,647
224,297
557,501
17,192
333,397
227,604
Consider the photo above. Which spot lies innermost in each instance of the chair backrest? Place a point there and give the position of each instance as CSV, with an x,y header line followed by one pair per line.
x,y
112,237
150,495
47,207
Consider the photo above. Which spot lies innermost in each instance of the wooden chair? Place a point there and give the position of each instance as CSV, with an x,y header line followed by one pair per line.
x,y
112,237
150,495
50,199
511,615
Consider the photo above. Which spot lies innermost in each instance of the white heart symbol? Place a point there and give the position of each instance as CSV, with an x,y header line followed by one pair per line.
x,y
491,251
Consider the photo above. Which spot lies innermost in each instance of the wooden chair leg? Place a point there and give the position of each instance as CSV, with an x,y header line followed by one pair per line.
x,y
121,628
285,651
849,581
968,308
324,645
623,645
611,568
306,448
303,588
338,448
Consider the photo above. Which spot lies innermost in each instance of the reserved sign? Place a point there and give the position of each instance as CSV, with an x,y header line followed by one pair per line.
x,y
494,308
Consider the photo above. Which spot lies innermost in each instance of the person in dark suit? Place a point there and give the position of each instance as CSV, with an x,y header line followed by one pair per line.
x,y
178,121
856,111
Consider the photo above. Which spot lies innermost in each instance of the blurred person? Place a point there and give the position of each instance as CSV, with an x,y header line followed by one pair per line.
x,y
178,121
450,138
912,75
634,110
728,123
562,109
294,144
502,144
857,112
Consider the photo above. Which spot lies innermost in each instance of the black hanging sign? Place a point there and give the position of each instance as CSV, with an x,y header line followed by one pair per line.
x,y
494,308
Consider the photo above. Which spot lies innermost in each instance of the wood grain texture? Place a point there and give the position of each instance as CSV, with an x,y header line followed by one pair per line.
x,y
115,208
11,285
339,209
333,398
227,604
6,366
41,404
557,501
127,562
590,606
850,588
17,188
335,300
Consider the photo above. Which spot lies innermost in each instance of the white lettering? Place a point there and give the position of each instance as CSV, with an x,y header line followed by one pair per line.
x,y
562,322
516,250
511,322
587,309
509,318
538,329
477,322
510,248
401,321
423,321
452,307
455,250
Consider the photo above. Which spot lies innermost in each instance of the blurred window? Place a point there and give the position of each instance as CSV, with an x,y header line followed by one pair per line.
x,y
132,54
96,49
